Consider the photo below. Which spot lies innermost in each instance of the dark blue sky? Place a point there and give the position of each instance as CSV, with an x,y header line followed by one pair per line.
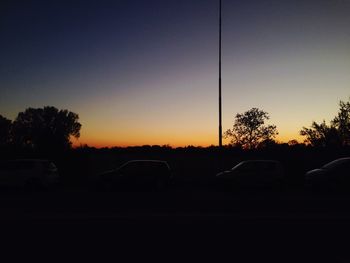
x,y
126,65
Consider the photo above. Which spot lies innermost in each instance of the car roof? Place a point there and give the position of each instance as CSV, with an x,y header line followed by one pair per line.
x,y
156,162
28,160
256,161
148,161
336,162
343,159
145,161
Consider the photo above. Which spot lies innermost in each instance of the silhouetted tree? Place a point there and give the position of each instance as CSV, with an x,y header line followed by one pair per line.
x,y
334,135
5,127
249,129
321,135
46,129
342,122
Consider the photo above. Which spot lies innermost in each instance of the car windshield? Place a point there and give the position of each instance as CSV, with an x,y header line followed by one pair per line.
x,y
246,166
238,166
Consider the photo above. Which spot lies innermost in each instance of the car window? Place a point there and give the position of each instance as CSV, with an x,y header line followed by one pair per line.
x,y
269,166
246,167
156,167
132,168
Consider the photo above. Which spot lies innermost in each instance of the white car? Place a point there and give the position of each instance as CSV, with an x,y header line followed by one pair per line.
x,y
28,173
255,173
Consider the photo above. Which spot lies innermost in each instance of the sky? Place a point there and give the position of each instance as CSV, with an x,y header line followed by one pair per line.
x,y
146,72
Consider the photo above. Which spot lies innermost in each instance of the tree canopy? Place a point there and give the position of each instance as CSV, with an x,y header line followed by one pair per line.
x,y
249,130
336,134
45,128
342,122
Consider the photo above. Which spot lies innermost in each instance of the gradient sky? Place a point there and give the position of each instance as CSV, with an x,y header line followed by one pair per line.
x,y
146,72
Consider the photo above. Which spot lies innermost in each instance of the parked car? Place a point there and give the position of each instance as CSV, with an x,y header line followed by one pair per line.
x,y
253,173
138,174
33,174
334,175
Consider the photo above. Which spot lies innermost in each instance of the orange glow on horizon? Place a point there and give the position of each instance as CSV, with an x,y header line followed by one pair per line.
x,y
199,142
101,144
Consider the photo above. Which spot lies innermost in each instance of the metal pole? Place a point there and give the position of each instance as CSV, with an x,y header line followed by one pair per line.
x,y
220,110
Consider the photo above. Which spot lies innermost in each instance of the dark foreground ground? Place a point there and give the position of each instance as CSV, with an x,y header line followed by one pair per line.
x,y
185,223
193,221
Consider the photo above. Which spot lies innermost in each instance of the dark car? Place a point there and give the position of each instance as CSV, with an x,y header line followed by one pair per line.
x,y
28,173
334,175
138,175
253,173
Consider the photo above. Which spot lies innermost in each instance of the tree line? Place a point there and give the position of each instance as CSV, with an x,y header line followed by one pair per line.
x,y
334,134
49,129
249,130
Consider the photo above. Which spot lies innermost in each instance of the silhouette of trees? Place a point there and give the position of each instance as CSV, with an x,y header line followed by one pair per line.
x,y
293,142
45,129
336,134
5,128
342,122
321,135
249,130
267,143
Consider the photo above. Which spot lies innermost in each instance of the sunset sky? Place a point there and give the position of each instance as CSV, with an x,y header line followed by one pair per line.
x,y
146,72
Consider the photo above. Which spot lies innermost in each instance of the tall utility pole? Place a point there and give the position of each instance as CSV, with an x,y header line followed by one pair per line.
x,y
220,110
